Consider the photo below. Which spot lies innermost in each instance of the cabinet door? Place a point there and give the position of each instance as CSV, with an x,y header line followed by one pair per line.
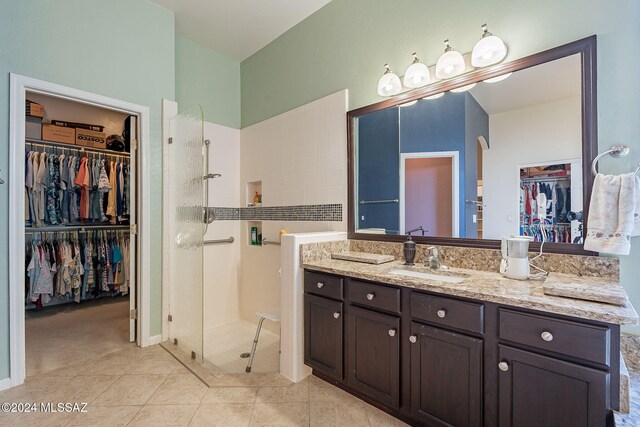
x,y
373,343
446,377
323,335
539,391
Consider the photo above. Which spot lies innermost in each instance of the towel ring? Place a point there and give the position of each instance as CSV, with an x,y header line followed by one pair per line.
x,y
617,151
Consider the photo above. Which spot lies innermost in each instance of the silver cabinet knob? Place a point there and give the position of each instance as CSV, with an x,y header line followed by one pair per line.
x,y
413,339
441,313
336,315
370,296
320,285
547,336
504,366
392,332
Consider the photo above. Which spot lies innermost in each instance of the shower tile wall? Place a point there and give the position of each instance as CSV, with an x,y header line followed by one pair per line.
x,y
300,157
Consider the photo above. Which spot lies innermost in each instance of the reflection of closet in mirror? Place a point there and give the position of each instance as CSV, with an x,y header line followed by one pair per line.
x,y
561,189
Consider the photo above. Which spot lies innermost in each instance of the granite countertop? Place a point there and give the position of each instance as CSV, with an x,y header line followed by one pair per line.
x,y
487,286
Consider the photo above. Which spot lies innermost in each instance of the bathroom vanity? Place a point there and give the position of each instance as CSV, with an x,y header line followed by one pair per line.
x,y
484,351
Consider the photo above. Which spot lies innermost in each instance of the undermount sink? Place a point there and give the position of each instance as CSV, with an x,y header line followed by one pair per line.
x,y
428,276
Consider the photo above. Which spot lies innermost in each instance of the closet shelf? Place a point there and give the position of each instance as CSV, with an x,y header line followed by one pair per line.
x,y
88,227
77,147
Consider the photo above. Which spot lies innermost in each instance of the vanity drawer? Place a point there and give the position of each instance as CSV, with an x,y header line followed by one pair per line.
x,y
323,284
587,342
375,296
450,312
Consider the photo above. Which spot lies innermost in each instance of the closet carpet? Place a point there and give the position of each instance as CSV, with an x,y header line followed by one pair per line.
x,y
69,333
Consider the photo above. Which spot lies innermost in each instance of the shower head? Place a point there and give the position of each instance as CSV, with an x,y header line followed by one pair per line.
x,y
211,176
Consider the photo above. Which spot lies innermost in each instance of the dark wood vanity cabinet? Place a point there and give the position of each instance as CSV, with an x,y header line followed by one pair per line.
x,y
373,349
436,360
446,377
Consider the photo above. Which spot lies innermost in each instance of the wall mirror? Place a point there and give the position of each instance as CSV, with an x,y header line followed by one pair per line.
x,y
499,151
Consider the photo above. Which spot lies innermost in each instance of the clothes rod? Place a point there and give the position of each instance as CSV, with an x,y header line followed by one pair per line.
x,y
269,242
555,178
51,144
369,202
78,228
216,242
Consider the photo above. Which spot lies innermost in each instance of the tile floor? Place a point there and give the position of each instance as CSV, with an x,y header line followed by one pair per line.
x,y
148,387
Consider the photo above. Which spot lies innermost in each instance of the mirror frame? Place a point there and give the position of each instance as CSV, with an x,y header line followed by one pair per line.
x,y
585,47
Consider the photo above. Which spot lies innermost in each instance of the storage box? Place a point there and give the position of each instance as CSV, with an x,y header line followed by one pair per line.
x,y
33,127
34,109
91,138
58,134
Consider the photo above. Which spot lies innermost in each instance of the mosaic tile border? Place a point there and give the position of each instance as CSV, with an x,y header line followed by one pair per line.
x,y
328,212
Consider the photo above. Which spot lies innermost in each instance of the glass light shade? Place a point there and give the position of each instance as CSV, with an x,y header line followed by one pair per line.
x,y
409,104
389,84
498,79
463,88
450,64
489,50
417,75
436,96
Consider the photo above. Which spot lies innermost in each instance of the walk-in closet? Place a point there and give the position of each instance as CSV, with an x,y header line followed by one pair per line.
x,y
80,231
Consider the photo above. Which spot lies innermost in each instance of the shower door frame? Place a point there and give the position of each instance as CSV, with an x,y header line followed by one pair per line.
x,y
19,85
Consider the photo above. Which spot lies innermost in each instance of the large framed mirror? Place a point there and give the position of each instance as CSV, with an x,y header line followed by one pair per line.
x,y
460,164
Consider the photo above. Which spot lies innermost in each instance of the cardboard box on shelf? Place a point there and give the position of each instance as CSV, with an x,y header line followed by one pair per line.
x,y
91,138
34,109
58,134
33,127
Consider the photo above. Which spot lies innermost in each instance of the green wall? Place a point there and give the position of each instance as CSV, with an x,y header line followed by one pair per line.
x,y
118,48
346,43
210,79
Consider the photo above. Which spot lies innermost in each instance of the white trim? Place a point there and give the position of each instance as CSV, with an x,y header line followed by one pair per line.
x,y
169,109
5,384
156,339
455,179
19,85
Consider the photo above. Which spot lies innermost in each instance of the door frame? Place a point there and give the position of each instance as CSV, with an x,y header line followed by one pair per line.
x,y
455,170
19,85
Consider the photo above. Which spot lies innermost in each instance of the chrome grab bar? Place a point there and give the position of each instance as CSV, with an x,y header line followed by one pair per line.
x,y
215,242
370,202
269,242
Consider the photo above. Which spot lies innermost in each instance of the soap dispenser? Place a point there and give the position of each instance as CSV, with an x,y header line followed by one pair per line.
x,y
409,249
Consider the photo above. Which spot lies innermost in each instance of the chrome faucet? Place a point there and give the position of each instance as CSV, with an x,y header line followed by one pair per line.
x,y
433,261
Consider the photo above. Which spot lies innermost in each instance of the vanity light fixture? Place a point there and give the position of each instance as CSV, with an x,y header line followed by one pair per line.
x,y
417,74
498,79
436,96
389,84
489,50
409,104
450,63
463,88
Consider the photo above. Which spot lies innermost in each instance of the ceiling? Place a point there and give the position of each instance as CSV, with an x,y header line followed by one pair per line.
x,y
543,83
238,29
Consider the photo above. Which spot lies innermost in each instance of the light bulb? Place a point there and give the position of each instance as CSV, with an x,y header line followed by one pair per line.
x,y
498,79
389,84
450,63
436,96
417,74
489,50
463,88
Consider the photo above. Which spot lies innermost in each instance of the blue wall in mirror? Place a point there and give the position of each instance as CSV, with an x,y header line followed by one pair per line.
x,y
450,123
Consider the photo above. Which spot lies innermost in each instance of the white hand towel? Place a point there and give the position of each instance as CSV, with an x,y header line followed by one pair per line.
x,y
614,213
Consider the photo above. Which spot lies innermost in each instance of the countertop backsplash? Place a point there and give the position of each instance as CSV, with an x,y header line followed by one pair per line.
x,y
470,258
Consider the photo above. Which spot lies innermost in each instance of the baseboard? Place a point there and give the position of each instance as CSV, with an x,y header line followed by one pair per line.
x,y
5,384
156,339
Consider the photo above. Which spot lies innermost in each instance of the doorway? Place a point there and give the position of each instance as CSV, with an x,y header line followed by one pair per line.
x,y
131,281
429,189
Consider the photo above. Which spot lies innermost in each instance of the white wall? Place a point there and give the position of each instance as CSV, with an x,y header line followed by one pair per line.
x,y
222,262
300,156
541,133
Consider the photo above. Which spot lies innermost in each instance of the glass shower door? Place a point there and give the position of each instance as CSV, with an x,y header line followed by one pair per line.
x,y
186,204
